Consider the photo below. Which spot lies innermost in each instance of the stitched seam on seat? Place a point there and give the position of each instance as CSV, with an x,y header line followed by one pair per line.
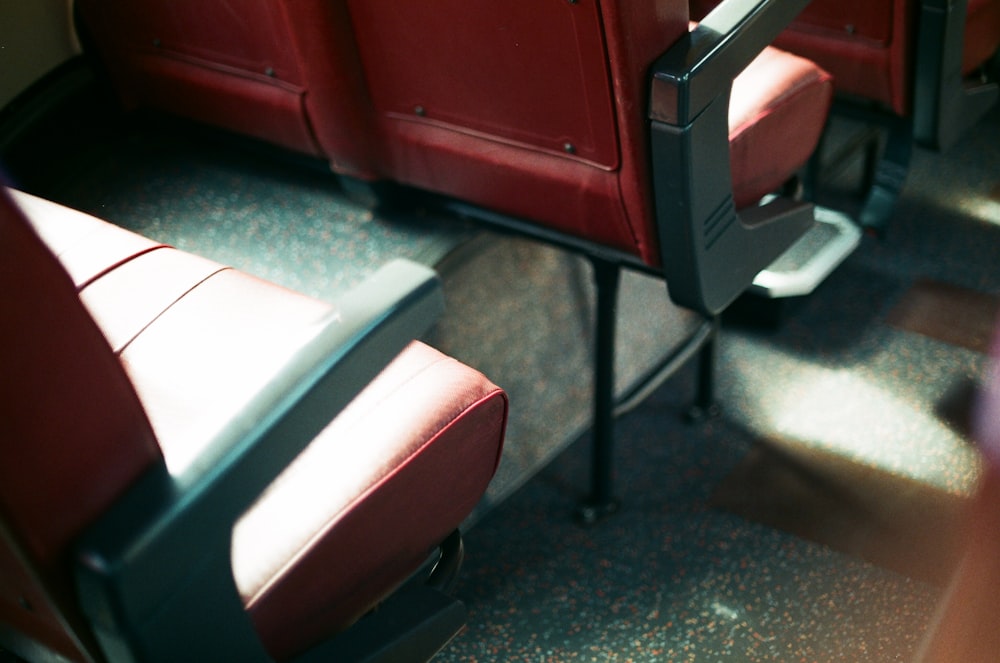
x,y
110,268
170,306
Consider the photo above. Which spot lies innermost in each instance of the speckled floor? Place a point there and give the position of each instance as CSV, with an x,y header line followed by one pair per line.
x,y
676,577
677,574
670,578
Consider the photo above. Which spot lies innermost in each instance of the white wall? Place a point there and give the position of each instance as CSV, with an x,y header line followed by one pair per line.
x,y
35,37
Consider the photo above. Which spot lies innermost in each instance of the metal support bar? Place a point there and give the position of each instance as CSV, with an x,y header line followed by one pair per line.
x,y
445,572
673,362
705,406
607,265
601,502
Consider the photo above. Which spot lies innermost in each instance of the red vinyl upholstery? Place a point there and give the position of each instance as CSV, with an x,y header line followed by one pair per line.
x,y
260,68
774,121
122,355
858,42
530,127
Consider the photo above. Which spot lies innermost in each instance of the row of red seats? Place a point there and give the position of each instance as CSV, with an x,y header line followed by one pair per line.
x,y
608,123
617,129
544,111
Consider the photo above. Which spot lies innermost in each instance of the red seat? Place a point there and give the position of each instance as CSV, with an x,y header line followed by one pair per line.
x,y
614,129
195,466
922,62
981,36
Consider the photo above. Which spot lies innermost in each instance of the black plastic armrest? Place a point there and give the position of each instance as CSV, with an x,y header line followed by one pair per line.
x,y
709,252
703,64
154,573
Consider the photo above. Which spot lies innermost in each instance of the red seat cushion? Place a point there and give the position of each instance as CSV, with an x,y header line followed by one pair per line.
x,y
772,121
371,496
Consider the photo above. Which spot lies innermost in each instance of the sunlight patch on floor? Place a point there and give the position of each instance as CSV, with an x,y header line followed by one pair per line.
x,y
854,416
986,209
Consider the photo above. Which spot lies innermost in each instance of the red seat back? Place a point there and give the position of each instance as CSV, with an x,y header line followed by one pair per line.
x,y
537,110
277,70
72,431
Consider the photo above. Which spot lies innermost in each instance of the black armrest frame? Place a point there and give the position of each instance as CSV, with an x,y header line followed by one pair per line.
x,y
944,104
710,252
154,573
